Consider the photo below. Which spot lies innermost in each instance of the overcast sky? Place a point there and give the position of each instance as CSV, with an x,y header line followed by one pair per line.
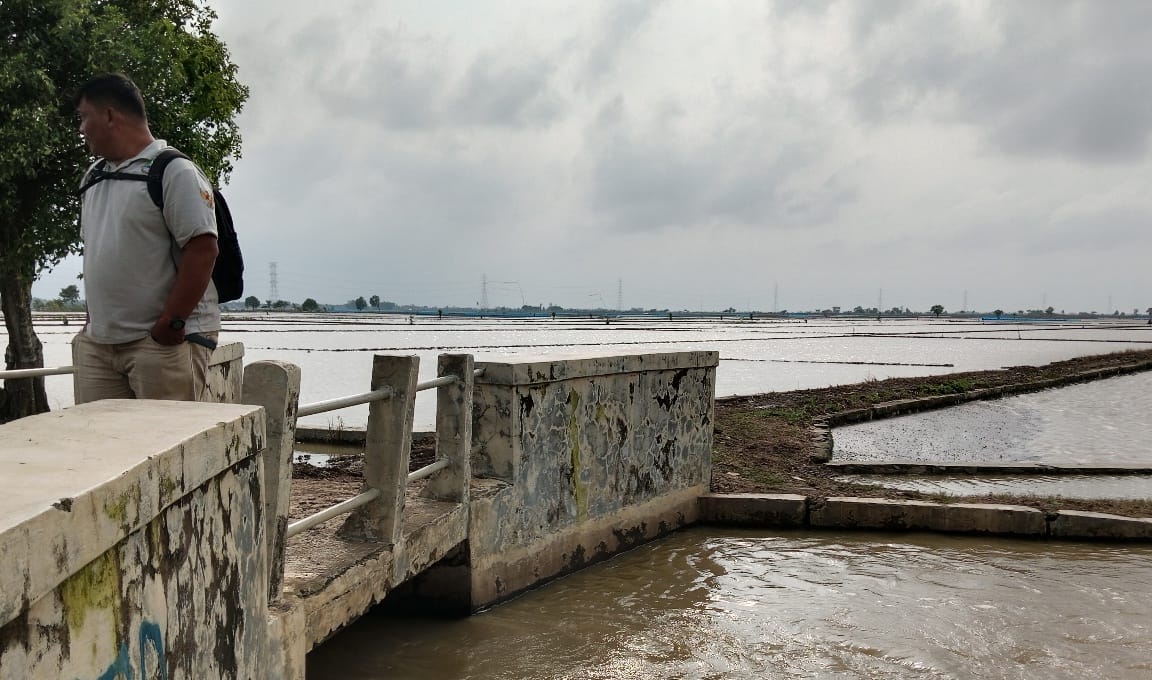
x,y
696,154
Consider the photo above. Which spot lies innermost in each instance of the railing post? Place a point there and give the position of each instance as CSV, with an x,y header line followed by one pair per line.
x,y
275,385
453,430
387,449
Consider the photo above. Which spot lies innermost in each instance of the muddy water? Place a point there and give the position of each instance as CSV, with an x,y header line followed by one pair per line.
x,y
711,604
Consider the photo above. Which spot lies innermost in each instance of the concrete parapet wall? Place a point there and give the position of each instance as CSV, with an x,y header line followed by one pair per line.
x,y
599,454
1079,524
787,510
755,510
496,576
132,542
876,513
225,379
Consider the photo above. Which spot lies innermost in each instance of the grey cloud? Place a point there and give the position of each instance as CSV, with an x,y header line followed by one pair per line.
x,y
407,83
399,82
1063,78
622,21
787,8
507,92
1114,229
641,183
1085,234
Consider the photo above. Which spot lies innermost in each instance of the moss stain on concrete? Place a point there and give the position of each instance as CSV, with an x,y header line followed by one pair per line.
x,y
578,489
167,487
97,586
117,507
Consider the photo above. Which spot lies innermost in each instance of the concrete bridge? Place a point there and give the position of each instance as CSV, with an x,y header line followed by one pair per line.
x,y
150,539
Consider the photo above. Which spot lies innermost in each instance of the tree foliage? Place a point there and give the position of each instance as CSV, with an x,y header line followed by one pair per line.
x,y
309,305
937,310
48,48
361,303
70,294
252,302
374,301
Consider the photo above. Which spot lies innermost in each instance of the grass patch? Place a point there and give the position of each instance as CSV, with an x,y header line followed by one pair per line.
x,y
954,386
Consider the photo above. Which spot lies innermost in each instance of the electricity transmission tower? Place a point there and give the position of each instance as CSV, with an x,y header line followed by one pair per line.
x,y
273,286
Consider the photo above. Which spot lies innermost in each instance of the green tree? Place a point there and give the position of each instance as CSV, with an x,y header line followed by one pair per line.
x,y
252,302
361,303
999,313
70,294
309,305
47,49
937,310
374,301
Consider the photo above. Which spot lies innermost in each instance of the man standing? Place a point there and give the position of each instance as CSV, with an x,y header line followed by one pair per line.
x,y
152,306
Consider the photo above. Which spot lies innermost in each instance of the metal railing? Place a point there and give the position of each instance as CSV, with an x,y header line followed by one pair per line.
x,y
36,372
402,439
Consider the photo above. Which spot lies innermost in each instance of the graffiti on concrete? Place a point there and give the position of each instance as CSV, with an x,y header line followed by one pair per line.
x,y
151,641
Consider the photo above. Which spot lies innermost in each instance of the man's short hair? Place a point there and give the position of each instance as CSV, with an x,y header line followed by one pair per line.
x,y
115,90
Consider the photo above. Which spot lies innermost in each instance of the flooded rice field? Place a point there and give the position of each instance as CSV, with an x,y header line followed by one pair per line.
x,y
1098,423
335,351
711,604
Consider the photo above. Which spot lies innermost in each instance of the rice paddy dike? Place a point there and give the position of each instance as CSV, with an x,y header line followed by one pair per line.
x,y
776,442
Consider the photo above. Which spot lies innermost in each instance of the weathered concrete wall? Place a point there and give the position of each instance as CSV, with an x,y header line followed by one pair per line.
x,y
599,454
132,543
226,373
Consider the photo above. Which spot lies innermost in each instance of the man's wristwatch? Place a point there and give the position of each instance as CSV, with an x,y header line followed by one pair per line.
x,y
176,324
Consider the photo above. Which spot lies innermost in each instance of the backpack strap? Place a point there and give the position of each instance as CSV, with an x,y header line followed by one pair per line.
x,y
155,175
154,178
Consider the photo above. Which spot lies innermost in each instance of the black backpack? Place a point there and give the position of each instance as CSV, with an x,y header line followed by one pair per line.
x,y
228,273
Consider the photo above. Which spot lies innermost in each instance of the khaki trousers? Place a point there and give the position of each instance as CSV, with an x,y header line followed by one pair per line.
x,y
142,369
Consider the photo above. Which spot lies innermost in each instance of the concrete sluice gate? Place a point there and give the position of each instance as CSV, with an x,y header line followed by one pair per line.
x,y
148,539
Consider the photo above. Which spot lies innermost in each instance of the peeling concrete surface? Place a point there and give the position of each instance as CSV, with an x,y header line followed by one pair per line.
x,y
148,560
601,453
